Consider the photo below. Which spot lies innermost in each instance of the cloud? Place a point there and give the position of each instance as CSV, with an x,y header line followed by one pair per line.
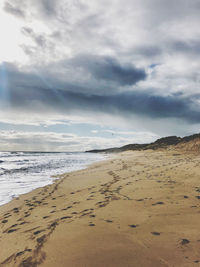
x,y
28,92
109,69
14,9
48,8
39,39
138,137
51,141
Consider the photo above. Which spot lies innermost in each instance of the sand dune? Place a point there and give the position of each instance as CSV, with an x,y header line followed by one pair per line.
x,y
137,209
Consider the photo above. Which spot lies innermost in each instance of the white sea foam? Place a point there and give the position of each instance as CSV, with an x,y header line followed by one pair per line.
x,y
21,172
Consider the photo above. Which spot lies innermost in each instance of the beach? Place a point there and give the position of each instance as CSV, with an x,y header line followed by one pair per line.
x,y
22,172
138,208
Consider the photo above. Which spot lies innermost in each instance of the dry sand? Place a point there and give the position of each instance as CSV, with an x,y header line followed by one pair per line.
x,y
137,209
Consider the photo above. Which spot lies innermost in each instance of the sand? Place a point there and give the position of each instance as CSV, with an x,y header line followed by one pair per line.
x,y
136,209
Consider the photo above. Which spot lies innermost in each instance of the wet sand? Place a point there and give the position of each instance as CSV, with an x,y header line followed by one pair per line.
x,y
137,209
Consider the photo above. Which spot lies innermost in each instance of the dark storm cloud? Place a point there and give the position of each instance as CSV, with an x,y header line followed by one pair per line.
x,y
27,92
15,10
104,75
140,103
109,69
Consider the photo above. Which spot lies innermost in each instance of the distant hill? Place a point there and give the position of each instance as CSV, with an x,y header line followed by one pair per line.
x,y
191,142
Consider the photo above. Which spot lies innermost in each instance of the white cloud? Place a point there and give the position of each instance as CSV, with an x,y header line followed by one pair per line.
x,y
51,141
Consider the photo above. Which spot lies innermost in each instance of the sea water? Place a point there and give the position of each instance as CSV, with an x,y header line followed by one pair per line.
x,y
21,172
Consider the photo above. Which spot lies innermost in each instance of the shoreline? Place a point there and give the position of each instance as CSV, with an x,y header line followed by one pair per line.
x,y
55,179
50,178
135,209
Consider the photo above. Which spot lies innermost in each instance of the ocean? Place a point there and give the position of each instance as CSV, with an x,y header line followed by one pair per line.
x,y
21,172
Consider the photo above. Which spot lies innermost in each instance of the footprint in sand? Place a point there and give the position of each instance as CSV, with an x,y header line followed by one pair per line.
x,y
14,225
16,210
158,203
38,232
45,217
41,239
155,233
7,216
185,241
12,230
19,253
133,225
66,217
54,224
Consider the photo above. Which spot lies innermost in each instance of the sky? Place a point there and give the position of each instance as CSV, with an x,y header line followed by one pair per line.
x,y
78,74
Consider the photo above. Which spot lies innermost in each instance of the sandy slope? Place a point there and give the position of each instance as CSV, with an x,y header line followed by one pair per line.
x,y
138,209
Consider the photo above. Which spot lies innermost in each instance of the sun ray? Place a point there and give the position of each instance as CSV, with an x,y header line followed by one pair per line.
x,y
4,90
57,93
